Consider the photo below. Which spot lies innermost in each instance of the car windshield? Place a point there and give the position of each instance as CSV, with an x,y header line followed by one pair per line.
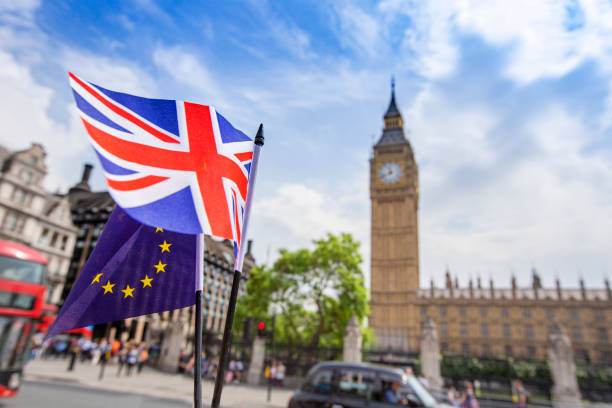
x,y
419,390
21,271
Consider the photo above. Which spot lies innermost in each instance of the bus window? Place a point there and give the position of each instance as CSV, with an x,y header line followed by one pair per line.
x,y
13,336
21,271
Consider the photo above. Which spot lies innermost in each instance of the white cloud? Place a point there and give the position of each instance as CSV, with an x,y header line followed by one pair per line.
x,y
361,31
507,212
33,112
308,213
18,13
23,110
185,67
542,45
111,73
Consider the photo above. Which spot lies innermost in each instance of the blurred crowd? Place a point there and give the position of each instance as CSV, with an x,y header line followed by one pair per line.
x,y
129,356
234,373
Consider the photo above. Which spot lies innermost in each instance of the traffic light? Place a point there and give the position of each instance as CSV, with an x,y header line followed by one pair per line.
x,y
261,329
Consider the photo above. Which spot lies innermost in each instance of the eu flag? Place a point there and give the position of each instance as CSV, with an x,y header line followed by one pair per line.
x,y
133,270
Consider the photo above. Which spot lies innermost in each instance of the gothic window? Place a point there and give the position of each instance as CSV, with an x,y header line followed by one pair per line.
x,y
463,330
574,315
98,230
444,347
26,176
508,350
423,310
504,312
486,350
484,330
11,221
442,311
19,196
531,351
443,329
550,314
483,312
577,334
53,240
602,335
600,316
465,348
44,237
527,312
82,231
462,311
506,330
529,332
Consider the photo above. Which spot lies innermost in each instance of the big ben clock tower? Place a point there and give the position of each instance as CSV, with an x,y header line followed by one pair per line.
x,y
394,267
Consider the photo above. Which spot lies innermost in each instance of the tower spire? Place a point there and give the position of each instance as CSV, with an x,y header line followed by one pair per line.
x,y
392,111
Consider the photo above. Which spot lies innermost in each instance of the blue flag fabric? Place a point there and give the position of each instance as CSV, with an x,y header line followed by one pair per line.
x,y
133,270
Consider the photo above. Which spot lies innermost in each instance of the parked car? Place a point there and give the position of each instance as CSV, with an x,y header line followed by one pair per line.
x,y
347,385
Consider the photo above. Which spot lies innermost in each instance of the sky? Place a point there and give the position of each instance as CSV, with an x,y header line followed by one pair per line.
x,y
508,106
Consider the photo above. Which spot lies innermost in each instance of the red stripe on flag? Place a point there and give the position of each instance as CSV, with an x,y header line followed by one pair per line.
x,y
124,114
244,156
130,185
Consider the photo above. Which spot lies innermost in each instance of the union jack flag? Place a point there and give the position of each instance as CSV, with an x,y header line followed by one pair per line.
x,y
170,164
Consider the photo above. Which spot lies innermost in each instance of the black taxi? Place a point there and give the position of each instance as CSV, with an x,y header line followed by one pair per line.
x,y
348,385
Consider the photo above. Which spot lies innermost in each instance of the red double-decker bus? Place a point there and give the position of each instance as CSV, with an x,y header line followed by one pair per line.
x,y
22,294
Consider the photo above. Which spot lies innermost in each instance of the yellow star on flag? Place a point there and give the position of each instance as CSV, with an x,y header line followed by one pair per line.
x,y
128,291
108,288
158,230
96,279
165,246
146,282
160,267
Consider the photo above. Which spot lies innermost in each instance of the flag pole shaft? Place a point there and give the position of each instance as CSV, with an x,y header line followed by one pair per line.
x,y
231,309
197,372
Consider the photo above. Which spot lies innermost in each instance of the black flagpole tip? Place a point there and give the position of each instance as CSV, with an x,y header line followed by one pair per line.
x,y
259,139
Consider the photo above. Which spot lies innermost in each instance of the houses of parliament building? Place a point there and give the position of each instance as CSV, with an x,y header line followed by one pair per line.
x,y
481,319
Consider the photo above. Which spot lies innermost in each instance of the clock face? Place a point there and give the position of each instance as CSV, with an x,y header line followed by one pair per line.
x,y
390,172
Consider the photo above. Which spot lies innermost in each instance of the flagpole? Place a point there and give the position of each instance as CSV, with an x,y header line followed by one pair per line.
x,y
229,319
197,360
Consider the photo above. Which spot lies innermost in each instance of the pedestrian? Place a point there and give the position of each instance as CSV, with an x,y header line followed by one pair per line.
x,y
132,358
273,369
519,394
477,390
469,399
280,374
74,353
115,348
144,357
232,370
122,356
451,396
423,380
239,370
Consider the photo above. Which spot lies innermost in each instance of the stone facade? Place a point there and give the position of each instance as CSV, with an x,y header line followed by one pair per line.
x,y
477,320
33,216
518,321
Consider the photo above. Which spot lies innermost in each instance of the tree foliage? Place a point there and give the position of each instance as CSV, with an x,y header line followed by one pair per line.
x,y
313,293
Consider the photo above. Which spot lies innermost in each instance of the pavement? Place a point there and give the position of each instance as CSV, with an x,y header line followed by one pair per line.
x,y
152,383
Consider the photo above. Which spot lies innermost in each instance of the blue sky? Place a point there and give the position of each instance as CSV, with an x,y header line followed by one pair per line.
x,y
508,107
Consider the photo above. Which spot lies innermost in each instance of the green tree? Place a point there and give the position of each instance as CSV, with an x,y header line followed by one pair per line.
x,y
313,293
